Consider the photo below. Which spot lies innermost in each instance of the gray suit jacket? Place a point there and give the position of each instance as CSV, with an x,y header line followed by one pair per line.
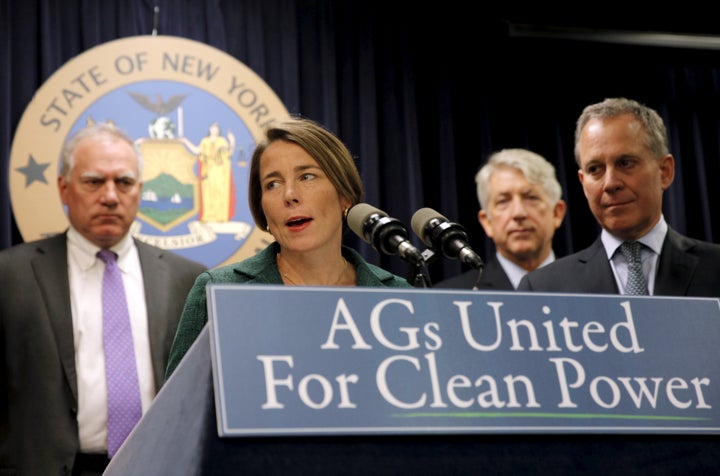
x,y
687,267
38,387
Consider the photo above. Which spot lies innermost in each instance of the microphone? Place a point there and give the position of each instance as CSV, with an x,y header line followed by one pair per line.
x,y
385,234
444,237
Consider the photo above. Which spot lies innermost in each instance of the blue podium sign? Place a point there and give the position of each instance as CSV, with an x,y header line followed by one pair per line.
x,y
340,360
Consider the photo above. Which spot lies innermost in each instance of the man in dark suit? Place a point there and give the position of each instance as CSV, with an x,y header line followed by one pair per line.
x,y
520,209
52,376
624,168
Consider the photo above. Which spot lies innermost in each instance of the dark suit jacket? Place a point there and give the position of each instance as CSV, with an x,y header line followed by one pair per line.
x,y
493,277
687,267
38,388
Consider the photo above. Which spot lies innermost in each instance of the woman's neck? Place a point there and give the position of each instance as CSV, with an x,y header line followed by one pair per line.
x,y
301,270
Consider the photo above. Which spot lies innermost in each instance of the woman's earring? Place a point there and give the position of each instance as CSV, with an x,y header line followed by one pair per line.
x,y
345,213
267,227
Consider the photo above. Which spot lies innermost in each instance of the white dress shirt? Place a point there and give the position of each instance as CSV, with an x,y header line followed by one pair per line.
x,y
86,272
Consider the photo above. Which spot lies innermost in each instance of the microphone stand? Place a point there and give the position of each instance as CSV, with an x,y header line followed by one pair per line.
x,y
419,275
480,270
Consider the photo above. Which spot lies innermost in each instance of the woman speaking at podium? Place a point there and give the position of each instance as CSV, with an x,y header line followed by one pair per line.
x,y
303,180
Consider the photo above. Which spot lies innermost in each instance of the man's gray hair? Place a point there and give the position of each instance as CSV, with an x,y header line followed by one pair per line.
x,y
534,167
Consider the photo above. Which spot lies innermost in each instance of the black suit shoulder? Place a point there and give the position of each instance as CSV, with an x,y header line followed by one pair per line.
x,y
693,245
587,271
493,277
464,280
686,267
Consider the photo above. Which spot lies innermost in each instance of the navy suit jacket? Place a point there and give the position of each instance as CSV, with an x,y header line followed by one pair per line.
x,y
687,267
38,386
493,277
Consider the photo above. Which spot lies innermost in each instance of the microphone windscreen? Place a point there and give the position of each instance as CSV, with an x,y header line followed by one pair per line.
x,y
358,215
421,217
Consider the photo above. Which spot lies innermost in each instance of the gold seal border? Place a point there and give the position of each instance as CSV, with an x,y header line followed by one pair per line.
x,y
67,93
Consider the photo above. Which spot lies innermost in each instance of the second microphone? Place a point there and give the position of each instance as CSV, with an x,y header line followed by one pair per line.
x,y
387,235
444,236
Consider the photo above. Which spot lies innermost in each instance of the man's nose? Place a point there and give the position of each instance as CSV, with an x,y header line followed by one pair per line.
x,y
109,192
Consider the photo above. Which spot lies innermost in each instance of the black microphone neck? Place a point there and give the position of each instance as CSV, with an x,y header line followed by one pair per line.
x,y
410,253
384,233
444,237
469,257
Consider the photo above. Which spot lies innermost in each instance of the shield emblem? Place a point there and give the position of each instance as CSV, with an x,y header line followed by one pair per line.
x,y
170,184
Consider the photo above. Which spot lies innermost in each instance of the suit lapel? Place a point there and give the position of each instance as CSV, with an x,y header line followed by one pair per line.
x,y
596,269
50,266
676,266
494,277
156,279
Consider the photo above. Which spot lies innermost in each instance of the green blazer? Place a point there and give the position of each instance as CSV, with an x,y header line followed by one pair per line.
x,y
258,269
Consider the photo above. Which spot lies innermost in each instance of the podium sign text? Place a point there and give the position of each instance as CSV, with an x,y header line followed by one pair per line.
x,y
337,360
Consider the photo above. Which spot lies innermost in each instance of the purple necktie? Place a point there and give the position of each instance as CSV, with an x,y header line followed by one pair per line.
x,y
124,405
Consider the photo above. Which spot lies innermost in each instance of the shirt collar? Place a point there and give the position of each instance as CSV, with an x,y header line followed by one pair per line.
x,y
653,239
514,272
86,252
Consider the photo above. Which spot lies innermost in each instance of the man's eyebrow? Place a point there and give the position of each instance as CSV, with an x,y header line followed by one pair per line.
x,y
95,175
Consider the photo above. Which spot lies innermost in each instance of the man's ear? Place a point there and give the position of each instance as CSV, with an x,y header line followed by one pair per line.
x,y
667,171
484,220
559,212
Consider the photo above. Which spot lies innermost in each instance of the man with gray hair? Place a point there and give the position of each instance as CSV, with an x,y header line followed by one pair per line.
x,y
66,337
520,209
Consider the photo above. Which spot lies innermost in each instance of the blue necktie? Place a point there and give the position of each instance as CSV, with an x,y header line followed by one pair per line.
x,y
124,404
